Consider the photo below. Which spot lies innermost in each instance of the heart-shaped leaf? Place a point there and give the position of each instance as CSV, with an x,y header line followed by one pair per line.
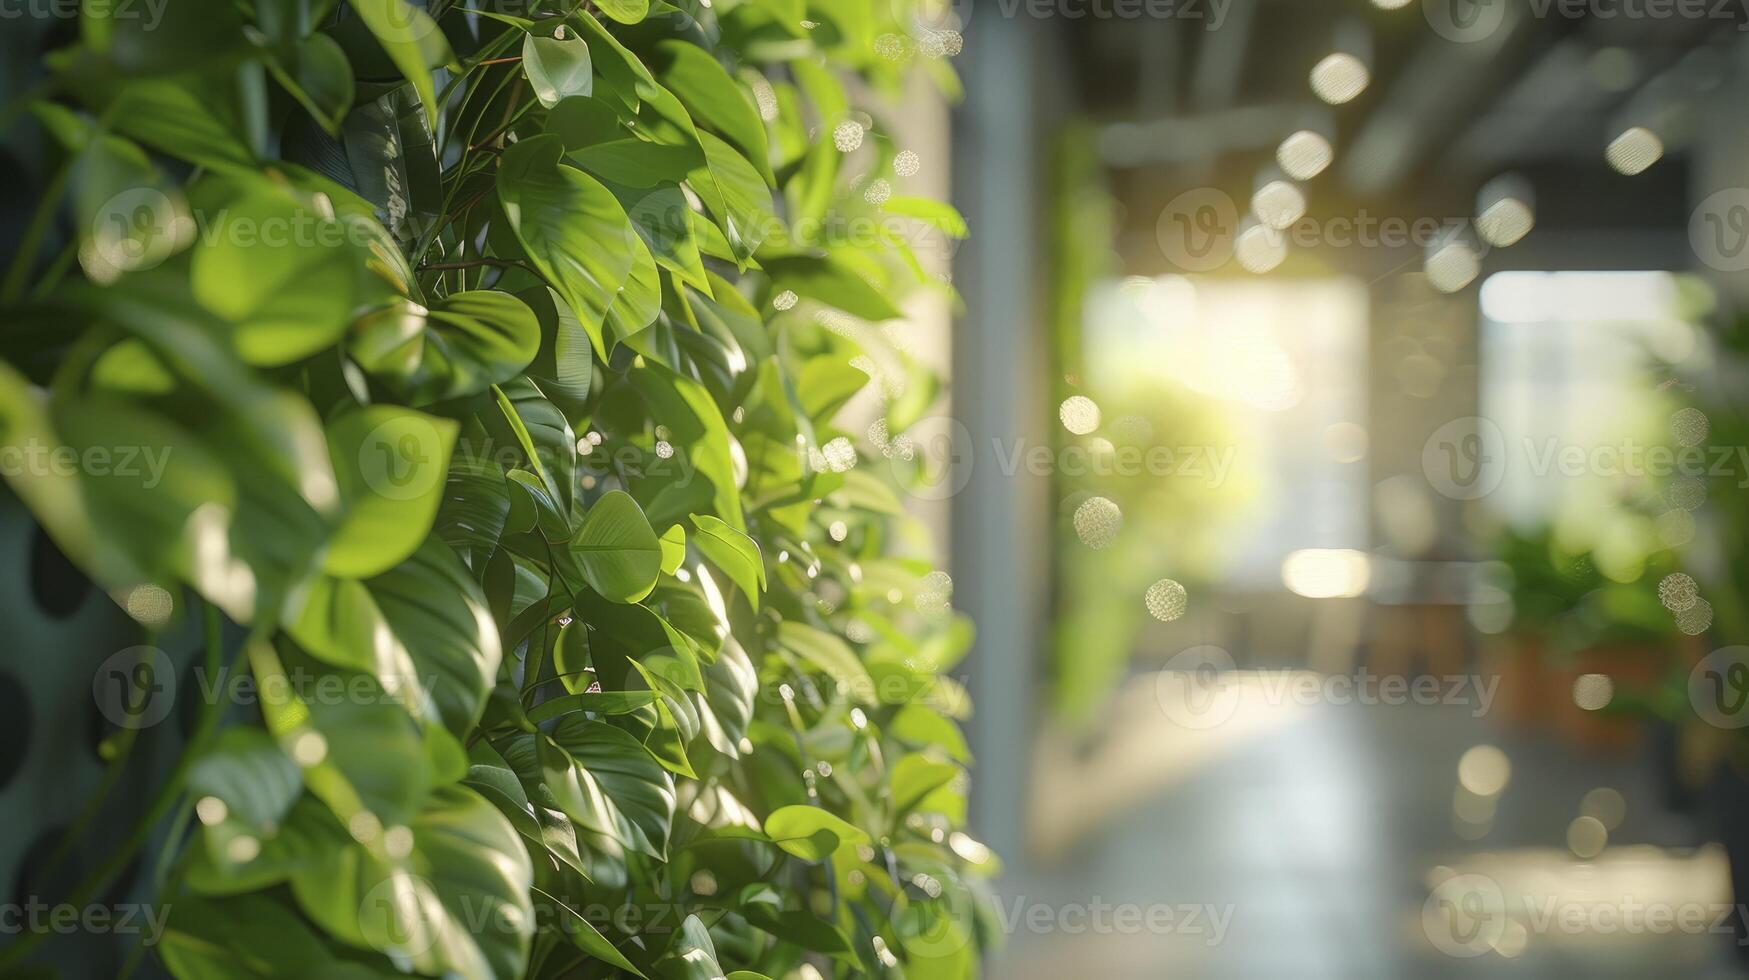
x,y
619,553
603,778
391,463
462,345
421,628
447,894
810,832
557,67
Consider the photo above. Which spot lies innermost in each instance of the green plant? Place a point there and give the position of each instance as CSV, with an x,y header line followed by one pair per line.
x,y
1558,595
495,354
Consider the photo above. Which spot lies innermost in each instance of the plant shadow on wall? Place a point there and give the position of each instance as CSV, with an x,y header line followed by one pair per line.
x,y
493,356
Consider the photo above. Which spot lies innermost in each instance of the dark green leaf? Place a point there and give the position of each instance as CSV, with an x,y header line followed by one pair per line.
x,y
619,553
733,552
462,345
575,232
714,98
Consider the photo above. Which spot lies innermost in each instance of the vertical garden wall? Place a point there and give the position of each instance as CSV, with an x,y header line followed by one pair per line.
x,y
469,382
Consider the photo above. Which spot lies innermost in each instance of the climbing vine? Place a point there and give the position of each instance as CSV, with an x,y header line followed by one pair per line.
x,y
503,359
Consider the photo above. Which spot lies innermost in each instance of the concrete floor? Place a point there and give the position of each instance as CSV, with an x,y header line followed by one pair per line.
x,y
1319,833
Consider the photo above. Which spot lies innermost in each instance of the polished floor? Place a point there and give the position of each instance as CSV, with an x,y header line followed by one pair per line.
x,y
1321,840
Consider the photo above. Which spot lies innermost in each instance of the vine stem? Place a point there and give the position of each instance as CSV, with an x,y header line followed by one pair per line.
x,y
474,263
169,792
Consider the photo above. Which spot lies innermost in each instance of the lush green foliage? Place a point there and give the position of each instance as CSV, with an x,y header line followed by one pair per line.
x,y
495,354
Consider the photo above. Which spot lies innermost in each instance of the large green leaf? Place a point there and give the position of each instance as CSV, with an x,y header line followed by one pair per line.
x,y
413,41
422,628
831,655
673,549
254,937
447,894
639,300
247,771
735,194
810,832
190,117
564,367
282,268
625,11
386,153
696,426
714,98
636,162
725,707
573,228
394,777
585,936
663,220
627,633
825,281
602,778
391,464
692,956
618,551
476,505
557,67
461,345
232,857
526,420
733,552
318,75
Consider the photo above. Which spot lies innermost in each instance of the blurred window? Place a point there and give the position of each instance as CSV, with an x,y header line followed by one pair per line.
x,y
1283,365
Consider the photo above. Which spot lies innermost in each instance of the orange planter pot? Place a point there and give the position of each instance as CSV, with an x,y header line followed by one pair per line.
x,y
1525,688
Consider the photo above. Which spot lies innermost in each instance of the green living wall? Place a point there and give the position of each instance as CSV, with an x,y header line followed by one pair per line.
x,y
497,357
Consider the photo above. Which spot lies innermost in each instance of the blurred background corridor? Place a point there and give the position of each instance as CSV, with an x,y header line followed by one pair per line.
x,y
1346,469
